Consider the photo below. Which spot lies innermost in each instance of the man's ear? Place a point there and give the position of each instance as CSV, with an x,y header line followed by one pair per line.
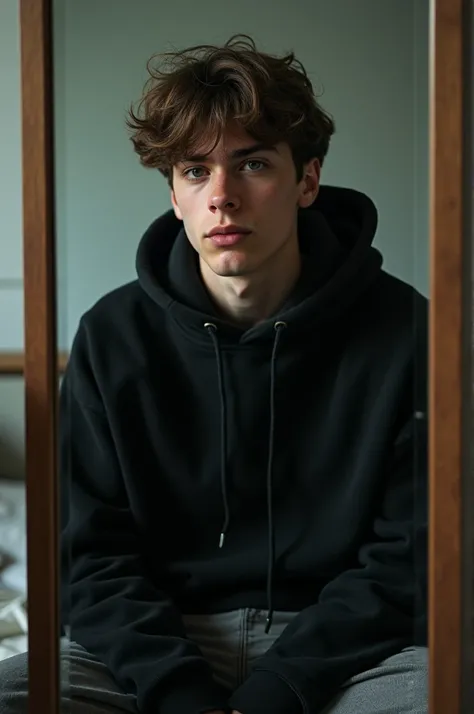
x,y
177,212
310,183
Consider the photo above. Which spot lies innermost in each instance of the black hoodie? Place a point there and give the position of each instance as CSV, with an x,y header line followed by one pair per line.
x,y
298,446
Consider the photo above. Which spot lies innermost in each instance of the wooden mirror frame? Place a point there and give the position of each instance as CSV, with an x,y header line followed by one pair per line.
x,y
40,360
450,385
451,508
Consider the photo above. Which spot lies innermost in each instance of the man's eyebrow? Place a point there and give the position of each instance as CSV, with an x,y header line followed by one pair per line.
x,y
237,153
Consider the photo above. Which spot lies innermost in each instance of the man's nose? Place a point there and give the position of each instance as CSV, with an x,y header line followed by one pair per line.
x,y
224,195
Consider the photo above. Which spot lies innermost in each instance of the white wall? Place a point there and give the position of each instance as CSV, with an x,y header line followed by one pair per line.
x,y
11,269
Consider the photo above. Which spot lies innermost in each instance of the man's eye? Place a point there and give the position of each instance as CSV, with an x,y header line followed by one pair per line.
x,y
191,173
254,164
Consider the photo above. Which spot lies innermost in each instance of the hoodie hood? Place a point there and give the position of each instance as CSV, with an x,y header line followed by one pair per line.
x,y
339,263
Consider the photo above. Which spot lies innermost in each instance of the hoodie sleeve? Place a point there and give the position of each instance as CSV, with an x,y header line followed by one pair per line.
x,y
110,605
364,615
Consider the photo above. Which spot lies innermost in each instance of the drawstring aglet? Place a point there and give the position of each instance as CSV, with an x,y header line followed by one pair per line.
x,y
221,540
268,623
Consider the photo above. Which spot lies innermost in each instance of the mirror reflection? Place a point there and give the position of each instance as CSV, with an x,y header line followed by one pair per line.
x,y
243,412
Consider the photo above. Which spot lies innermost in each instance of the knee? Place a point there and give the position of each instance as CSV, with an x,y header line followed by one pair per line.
x,y
416,685
13,683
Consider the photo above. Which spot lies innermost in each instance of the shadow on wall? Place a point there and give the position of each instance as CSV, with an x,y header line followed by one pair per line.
x,y
12,428
12,461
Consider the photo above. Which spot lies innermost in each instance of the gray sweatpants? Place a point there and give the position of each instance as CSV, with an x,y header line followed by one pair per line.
x,y
231,642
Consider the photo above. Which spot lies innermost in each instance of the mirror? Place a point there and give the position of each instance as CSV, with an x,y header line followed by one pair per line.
x,y
203,506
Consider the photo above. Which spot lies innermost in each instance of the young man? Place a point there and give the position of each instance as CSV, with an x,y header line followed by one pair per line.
x,y
243,433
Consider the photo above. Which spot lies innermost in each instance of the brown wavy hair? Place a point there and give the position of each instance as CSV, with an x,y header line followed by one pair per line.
x,y
195,92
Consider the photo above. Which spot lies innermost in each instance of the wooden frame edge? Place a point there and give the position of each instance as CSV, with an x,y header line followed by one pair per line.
x,y
13,363
447,365
40,360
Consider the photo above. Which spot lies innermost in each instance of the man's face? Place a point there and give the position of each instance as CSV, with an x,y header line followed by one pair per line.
x,y
245,188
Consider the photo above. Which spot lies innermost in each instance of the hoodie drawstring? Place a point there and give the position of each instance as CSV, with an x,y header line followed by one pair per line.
x,y
279,327
212,329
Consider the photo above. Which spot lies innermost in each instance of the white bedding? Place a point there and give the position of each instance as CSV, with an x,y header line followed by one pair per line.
x,y
13,620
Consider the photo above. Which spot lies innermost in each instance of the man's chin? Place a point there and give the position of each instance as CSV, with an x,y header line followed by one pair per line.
x,y
232,272
230,266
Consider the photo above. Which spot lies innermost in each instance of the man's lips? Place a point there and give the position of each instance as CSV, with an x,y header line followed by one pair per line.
x,y
227,235
229,228
226,239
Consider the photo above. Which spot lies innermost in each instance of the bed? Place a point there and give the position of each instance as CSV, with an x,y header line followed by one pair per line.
x,y
13,618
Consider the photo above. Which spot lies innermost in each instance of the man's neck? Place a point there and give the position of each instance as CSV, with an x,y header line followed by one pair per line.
x,y
247,301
